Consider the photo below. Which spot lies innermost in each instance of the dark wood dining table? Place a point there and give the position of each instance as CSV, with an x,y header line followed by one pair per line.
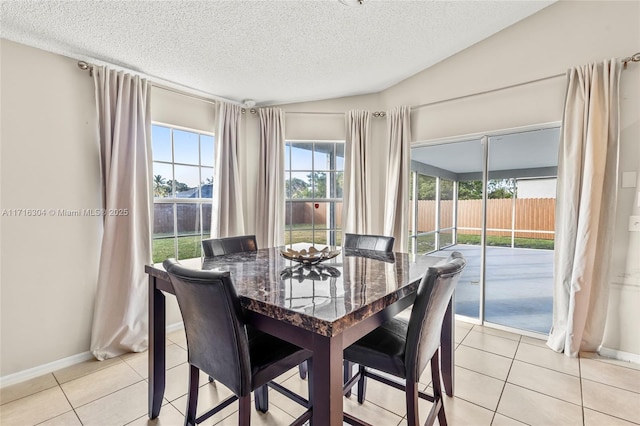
x,y
323,308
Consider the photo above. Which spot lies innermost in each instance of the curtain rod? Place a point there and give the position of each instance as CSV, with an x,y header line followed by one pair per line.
x,y
179,89
376,114
632,58
212,99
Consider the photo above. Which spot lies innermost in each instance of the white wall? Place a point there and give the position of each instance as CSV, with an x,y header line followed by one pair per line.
x,y
536,188
49,161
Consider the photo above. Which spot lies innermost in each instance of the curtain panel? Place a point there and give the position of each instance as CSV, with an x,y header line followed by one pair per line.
x,y
270,216
227,214
120,322
587,182
396,214
356,199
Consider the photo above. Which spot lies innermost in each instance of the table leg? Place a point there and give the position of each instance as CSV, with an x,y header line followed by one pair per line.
x,y
157,342
447,349
326,385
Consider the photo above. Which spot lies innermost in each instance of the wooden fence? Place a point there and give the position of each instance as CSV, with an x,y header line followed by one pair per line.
x,y
536,214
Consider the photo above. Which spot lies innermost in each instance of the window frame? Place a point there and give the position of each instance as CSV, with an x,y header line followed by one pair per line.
x,y
332,172
172,199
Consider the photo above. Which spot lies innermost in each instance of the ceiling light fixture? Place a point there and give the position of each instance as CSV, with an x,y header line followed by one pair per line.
x,y
352,2
248,103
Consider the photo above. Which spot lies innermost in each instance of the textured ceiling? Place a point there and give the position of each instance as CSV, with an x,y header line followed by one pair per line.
x,y
270,51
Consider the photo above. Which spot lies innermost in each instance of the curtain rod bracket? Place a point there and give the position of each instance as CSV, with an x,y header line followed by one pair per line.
x,y
252,111
85,66
633,58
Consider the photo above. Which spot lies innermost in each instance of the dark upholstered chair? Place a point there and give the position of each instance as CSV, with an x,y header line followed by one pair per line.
x,y
368,242
221,246
402,348
215,247
221,345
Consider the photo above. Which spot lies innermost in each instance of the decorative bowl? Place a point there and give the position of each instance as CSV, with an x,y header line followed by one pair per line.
x,y
310,256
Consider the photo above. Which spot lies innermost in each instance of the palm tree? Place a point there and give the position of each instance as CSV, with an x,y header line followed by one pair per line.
x,y
160,188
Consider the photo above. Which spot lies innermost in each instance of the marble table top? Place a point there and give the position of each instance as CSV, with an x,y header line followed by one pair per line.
x,y
325,298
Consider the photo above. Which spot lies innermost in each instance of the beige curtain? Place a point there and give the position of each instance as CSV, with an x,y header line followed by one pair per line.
x,y
356,216
271,186
227,215
396,214
120,322
587,175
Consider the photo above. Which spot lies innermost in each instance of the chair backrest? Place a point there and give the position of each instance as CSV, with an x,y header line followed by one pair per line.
x,y
368,242
423,333
217,341
221,246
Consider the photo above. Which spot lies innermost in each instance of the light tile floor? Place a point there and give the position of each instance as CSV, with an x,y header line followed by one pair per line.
x,y
501,379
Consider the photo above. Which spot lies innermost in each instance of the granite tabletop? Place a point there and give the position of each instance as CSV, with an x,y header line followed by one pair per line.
x,y
324,298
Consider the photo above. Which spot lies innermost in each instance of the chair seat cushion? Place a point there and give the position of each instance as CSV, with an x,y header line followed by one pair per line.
x,y
270,356
382,349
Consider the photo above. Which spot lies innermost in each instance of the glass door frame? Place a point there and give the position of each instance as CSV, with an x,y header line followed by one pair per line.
x,y
484,138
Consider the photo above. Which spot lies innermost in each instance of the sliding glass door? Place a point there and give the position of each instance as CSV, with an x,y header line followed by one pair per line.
x,y
522,169
447,211
491,198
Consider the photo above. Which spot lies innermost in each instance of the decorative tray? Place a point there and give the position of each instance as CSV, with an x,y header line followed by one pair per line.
x,y
309,256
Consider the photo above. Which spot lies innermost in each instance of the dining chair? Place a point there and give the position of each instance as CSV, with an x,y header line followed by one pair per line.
x,y
220,246
368,242
371,243
222,345
403,349
215,247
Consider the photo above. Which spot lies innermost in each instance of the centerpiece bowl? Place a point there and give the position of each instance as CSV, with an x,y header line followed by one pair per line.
x,y
310,256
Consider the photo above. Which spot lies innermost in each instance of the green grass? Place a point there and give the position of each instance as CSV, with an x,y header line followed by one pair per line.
x,y
188,247
306,236
492,240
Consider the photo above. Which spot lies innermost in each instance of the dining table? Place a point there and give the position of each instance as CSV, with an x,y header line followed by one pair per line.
x,y
323,307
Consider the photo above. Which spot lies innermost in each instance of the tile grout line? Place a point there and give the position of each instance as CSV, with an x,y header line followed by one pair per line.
x,y
504,384
581,391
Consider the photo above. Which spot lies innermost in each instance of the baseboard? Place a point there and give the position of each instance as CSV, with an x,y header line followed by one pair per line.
x,y
31,373
619,355
173,327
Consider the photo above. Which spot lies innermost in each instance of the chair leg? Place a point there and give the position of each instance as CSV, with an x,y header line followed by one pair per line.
x,y
302,368
244,412
310,381
261,396
346,374
411,390
362,384
437,388
192,398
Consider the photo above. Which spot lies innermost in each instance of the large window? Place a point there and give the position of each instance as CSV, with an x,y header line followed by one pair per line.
x,y
314,176
182,189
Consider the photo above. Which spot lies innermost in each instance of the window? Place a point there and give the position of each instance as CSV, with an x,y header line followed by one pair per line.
x,y
431,213
314,178
182,189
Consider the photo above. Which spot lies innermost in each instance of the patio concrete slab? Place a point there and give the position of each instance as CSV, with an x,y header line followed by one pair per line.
x,y
519,286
